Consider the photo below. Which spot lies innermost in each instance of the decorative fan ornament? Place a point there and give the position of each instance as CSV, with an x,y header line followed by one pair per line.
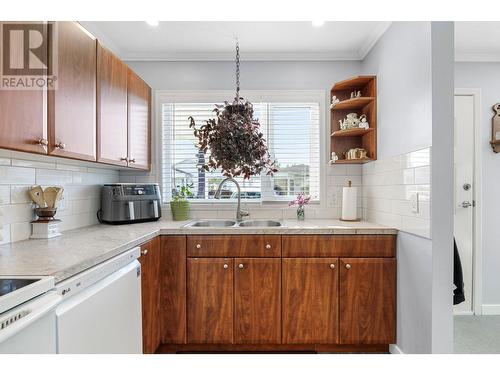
x,y
233,138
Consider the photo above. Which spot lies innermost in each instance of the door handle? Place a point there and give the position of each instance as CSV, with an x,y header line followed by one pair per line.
x,y
465,204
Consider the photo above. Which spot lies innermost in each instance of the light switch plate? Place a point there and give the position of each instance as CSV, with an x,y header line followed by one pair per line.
x,y
414,203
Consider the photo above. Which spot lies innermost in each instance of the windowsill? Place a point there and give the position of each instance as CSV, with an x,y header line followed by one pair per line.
x,y
230,203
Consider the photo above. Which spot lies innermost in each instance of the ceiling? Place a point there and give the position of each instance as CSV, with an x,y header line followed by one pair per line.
x,y
181,41
477,41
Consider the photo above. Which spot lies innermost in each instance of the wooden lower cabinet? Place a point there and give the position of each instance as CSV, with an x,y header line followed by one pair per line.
x,y
367,301
210,300
173,289
310,301
257,301
150,291
270,303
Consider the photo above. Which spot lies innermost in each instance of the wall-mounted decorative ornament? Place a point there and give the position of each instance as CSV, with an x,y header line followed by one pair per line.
x,y
495,129
233,139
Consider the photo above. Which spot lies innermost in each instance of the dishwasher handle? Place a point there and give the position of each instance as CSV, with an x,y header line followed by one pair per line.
x,y
27,314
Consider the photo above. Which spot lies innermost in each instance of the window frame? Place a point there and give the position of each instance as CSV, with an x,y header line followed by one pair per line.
x,y
215,96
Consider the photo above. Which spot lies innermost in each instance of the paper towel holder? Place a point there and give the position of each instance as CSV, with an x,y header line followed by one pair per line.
x,y
349,184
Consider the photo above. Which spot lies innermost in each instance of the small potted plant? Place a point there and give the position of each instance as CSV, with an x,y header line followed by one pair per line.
x,y
179,203
300,201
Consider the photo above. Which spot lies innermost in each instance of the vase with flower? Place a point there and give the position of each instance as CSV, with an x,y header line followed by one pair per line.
x,y
300,201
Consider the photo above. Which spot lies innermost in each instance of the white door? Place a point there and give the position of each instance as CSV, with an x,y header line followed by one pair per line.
x,y
464,194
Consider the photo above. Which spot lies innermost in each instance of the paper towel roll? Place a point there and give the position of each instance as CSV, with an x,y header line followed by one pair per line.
x,y
349,203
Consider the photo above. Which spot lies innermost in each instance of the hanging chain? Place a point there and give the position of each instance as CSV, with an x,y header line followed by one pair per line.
x,y
237,72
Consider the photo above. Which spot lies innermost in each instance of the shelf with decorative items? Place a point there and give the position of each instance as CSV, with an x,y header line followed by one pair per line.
x,y
353,120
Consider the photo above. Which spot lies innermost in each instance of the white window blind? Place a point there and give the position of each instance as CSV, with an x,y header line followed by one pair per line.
x,y
292,132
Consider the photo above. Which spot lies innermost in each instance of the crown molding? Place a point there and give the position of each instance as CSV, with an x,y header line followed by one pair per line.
x,y
247,56
373,39
477,56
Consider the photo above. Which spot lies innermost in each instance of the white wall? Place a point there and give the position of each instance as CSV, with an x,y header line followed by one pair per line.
x,y
486,77
404,124
442,187
257,75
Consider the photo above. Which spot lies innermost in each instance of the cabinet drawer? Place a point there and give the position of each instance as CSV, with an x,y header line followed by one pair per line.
x,y
234,246
339,246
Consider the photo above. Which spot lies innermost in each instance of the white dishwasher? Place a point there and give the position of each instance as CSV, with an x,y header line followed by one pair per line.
x,y
100,310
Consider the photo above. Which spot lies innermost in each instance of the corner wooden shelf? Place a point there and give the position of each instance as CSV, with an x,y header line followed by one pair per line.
x,y
351,132
343,140
356,103
353,161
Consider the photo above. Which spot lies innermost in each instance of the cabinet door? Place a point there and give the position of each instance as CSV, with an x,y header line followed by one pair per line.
x,y
367,301
150,285
310,301
23,122
257,301
210,300
173,289
139,124
111,108
72,107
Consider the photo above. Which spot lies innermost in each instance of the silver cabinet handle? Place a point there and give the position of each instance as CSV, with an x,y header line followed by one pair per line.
x,y
332,266
42,142
240,266
268,247
144,252
131,160
348,266
465,204
124,159
60,145
198,246
226,266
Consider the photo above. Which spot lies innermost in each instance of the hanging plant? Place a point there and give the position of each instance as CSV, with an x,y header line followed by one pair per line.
x,y
233,139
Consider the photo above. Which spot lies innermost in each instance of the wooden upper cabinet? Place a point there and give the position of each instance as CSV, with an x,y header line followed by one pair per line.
x,y
367,301
150,285
210,300
139,123
257,301
72,106
112,125
23,122
310,301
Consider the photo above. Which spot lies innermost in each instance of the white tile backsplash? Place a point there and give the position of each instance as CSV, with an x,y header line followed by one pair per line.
x,y
81,198
388,186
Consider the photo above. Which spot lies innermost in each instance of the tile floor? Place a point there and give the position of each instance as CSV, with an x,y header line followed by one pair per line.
x,y
477,334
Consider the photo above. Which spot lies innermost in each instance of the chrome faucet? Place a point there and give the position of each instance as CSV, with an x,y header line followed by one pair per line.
x,y
239,212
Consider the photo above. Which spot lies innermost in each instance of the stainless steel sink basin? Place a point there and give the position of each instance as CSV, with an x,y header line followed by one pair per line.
x,y
211,223
260,223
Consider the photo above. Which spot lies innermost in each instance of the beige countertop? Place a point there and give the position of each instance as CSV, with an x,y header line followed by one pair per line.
x,y
78,250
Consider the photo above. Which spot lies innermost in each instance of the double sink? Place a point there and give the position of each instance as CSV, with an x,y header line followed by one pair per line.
x,y
232,224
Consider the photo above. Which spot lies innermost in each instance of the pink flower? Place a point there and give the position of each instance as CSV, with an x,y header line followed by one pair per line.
x,y
300,201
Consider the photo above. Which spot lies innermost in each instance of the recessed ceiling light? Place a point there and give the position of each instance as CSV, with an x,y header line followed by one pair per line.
x,y
318,23
153,23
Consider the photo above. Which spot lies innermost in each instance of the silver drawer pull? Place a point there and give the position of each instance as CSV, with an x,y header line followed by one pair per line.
x,y
198,246
268,247
226,266
144,252
348,266
240,266
332,266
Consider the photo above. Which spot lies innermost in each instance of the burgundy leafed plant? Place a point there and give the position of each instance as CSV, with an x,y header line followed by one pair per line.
x,y
233,139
